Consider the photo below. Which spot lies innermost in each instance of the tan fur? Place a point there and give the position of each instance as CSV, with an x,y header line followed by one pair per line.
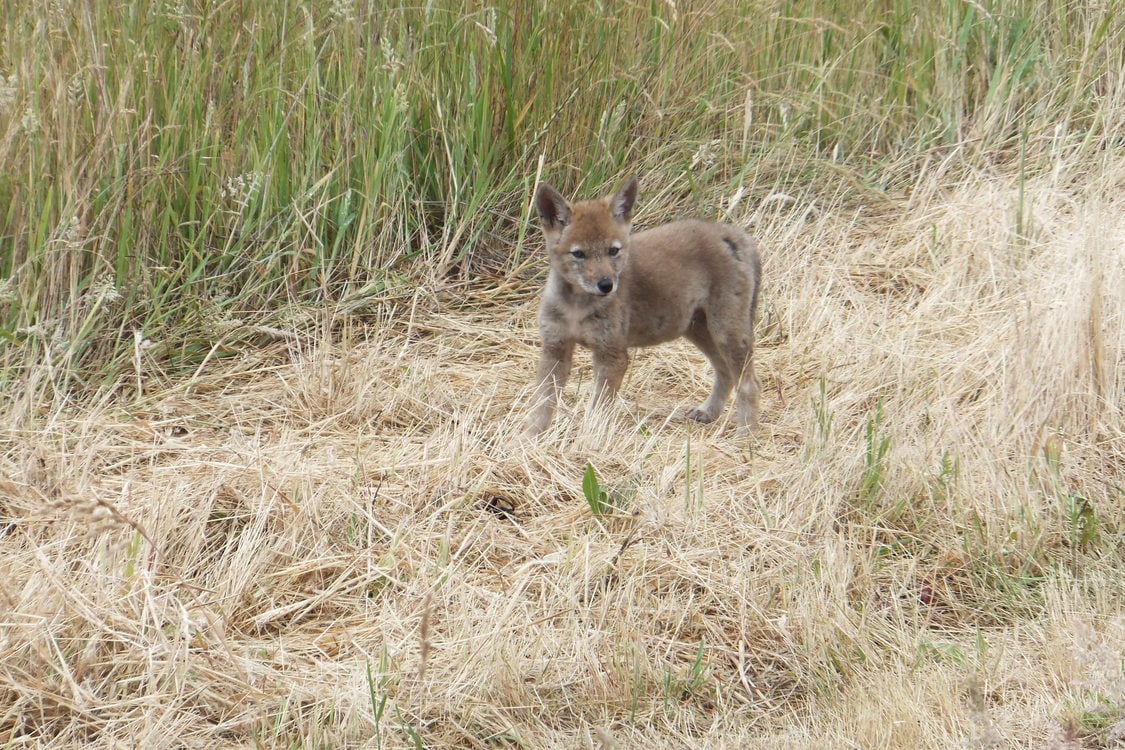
x,y
608,291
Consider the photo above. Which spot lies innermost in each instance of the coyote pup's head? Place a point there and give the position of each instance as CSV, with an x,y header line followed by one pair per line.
x,y
588,242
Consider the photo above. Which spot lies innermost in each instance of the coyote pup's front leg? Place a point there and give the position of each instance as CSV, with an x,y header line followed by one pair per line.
x,y
554,369
610,364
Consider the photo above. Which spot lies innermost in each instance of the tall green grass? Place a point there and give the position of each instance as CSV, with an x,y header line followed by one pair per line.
x,y
175,171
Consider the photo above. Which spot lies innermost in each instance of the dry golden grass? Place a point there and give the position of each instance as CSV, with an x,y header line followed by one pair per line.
x,y
343,542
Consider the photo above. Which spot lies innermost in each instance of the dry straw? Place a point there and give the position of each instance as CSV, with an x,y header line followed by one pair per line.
x,y
345,543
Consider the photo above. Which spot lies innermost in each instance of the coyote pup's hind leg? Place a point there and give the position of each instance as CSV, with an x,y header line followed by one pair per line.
x,y
746,396
724,379
730,351
747,400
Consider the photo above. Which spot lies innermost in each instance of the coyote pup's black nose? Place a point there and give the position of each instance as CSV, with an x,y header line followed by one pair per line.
x,y
605,286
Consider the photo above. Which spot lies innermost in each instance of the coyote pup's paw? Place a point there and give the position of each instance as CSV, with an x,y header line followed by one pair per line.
x,y
536,423
699,414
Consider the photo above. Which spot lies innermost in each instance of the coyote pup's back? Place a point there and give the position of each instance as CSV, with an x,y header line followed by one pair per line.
x,y
610,291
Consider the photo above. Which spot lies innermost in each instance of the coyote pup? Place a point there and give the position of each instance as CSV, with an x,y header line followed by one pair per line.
x,y
610,291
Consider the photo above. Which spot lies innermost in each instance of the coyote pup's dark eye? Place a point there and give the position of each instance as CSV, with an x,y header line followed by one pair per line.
x,y
613,251
577,254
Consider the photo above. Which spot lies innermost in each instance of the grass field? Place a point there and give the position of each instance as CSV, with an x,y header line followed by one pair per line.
x,y
267,337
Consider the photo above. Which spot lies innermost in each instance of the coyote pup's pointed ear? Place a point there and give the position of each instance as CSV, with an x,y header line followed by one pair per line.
x,y
621,204
553,209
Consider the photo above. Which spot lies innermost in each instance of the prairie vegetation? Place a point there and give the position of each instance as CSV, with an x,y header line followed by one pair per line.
x,y
267,339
